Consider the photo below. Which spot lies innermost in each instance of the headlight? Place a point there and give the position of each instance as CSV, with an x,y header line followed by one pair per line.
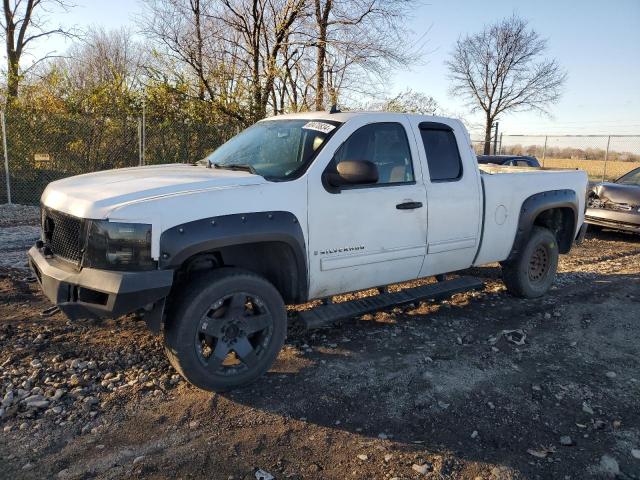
x,y
119,246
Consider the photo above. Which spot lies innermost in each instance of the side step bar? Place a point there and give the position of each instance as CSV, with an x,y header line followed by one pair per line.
x,y
325,314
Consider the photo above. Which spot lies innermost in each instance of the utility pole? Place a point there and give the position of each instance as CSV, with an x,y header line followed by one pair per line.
x,y
495,139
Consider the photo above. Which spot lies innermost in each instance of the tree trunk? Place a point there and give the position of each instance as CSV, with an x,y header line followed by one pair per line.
x,y
487,136
199,46
322,18
13,78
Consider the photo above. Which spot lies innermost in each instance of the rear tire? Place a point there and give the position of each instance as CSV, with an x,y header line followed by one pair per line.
x,y
532,273
226,329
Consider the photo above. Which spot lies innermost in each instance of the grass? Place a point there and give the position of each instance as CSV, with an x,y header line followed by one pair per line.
x,y
594,168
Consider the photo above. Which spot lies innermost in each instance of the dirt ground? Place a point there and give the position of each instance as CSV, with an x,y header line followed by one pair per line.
x,y
433,391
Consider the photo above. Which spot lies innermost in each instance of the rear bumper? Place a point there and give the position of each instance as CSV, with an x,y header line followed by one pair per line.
x,y
92,293
627,221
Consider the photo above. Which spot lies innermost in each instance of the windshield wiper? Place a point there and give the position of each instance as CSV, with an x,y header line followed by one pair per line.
x,y
243,167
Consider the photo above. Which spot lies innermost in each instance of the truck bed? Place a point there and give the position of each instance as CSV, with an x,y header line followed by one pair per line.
x,y
505,189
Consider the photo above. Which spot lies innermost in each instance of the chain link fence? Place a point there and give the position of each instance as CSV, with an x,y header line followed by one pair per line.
x,y
41,148
603,157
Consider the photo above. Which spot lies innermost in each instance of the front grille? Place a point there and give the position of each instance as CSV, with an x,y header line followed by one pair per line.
x,y
64,234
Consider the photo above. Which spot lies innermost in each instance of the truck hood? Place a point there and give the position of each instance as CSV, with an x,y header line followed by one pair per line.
x,y
95,195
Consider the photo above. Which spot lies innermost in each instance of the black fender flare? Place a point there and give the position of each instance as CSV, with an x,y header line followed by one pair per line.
x,y
534,206
181,242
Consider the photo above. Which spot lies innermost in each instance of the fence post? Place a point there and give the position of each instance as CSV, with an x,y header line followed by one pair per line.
x,y
500,144
544,150
6,157
139,141
144,132
495,139
606,157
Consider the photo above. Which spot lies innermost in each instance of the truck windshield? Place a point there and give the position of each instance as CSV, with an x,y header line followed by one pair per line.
x,y
275,149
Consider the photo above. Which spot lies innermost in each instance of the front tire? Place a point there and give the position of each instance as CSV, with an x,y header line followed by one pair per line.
x,y
532,273
226,329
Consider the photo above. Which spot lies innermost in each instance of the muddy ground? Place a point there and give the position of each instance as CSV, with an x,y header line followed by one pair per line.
x,y
428,391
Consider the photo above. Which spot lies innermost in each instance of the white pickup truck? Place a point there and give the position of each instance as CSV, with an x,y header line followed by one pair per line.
x,y
297,207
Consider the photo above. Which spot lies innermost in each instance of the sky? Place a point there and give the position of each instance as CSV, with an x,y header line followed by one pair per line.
x,y
597,42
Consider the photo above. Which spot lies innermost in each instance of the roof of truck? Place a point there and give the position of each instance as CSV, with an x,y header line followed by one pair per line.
x,y
343,116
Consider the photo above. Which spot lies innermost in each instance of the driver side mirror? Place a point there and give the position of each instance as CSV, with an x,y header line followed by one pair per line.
x,y
352,172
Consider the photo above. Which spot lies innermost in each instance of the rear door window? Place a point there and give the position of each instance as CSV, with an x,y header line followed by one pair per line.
x,y
443,157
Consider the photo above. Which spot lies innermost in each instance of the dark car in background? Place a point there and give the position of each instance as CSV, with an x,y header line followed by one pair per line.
x,y
615,205
509,160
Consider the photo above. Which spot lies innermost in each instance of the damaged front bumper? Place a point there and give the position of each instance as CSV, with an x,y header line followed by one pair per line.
x,y
614,219
93,293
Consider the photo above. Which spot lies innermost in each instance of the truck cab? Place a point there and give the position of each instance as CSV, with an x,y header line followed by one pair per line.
x,y
297,207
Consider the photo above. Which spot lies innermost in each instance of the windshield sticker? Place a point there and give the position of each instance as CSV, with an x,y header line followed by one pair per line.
x,y
319,126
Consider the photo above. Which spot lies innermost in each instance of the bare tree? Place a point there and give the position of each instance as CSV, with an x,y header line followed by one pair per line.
x,y
407,101
24,23
357,43
103,72
192,47
502,69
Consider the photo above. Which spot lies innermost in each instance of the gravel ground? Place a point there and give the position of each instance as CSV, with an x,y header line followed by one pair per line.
x,y
12,215
432,390
18,232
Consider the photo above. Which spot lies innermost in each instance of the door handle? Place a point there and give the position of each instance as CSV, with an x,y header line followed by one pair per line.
x,y
408,205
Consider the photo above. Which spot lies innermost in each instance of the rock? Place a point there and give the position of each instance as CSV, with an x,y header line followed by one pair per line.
x,y
547,316
611,374
586,408
474,434
566,441
194,424
33,398
8,399
422,469
263,475
599,424
38,404
64,474
91,401
138,459
363,457
27,466
58,395
388,457
1,412
635,453
609,466
35,363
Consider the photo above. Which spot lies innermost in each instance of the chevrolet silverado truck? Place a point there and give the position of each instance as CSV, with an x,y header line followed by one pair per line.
x,y
297,207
